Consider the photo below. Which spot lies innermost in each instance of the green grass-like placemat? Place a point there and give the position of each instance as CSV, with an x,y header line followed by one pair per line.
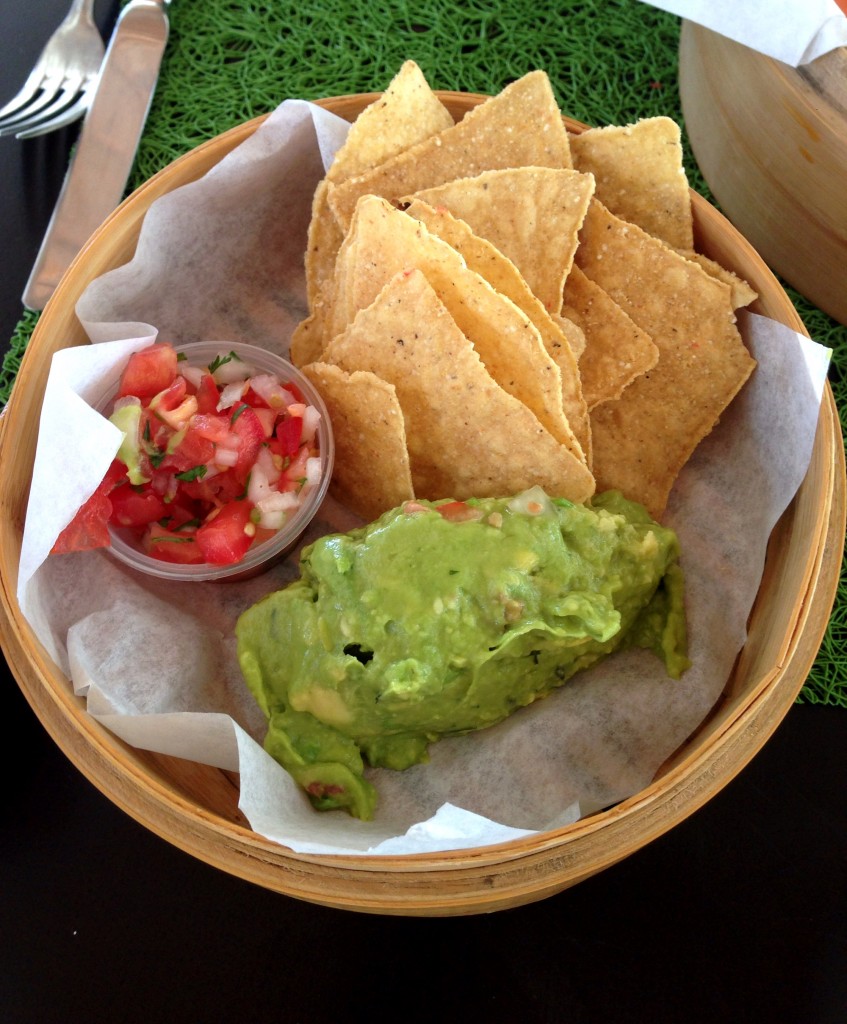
x,y
610,62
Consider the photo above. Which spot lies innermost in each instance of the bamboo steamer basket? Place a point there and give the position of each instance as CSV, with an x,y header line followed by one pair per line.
x,y
771,141
195,807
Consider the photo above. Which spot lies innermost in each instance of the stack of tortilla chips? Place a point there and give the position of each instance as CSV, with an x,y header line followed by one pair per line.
x,y
497,304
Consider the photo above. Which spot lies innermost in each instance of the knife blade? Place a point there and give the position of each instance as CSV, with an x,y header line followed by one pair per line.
x,y
108,140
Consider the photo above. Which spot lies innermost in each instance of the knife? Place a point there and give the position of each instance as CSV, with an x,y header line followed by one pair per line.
x,y
108,140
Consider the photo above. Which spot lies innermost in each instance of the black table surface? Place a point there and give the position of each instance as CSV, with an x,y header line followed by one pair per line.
x,y
737,914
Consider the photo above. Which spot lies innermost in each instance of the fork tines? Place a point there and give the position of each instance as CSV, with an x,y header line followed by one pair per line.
x,y
50,105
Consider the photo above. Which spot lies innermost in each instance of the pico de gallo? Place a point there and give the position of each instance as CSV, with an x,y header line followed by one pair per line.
x,y
214,459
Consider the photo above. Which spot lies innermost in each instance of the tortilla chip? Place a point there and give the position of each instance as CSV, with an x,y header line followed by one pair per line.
x,y
307,338
520,127
643,439
741,292
384,240
322,245
532,214
466,436
616,349
371,472
405,114
571,330
504,277
640,176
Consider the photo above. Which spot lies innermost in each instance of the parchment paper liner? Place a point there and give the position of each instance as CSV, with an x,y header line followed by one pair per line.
x,y
221,258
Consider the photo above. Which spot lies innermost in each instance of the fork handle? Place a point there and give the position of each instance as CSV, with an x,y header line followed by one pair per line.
x,y
81,10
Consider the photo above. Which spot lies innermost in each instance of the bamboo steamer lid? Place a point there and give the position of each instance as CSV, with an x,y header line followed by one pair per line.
x,y
771,141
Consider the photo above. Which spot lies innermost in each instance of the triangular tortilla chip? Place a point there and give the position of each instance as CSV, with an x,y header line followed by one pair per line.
x,y
371,472
532,214
571,330
742,293
521,126
388,241
405,114
640,176
616,349
486,260
643,439
466,436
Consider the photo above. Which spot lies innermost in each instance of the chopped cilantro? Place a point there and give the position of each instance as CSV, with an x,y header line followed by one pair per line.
x,y
220,360
241,408
195,473
190,524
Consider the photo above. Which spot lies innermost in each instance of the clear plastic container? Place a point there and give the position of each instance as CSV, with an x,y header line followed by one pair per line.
x,y
124,545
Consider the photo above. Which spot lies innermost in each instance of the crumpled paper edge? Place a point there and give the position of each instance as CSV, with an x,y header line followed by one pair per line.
x,y
795,32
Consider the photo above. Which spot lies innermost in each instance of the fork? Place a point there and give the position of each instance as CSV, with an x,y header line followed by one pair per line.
x,y
60,85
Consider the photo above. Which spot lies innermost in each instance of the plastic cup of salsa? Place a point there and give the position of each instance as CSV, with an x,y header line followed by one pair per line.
x,y
125,546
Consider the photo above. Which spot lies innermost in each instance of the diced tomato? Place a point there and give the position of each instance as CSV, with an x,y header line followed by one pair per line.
x,y
89,527
293,477
226,538
248,427
154,433
196,462
254,400
136,507
215,491
149,371
170,397
213,427
267,417
288,433
173,545
298,394
180,513
459,512
174,406
207,395
193,450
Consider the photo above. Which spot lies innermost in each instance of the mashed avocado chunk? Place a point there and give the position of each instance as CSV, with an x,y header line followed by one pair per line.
x,y
441,618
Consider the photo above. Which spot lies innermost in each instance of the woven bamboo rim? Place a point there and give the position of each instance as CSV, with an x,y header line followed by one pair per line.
x,y
195,807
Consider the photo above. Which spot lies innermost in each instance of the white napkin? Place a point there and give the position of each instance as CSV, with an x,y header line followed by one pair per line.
x,y
793,31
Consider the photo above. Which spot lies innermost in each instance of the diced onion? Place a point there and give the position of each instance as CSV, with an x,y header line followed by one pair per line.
x,y
231,394
267,465
313,471
225,456
259,487
274,510
232,440
533,502
193,374
269,389
311,419
267,417
272,520
232,370
279,501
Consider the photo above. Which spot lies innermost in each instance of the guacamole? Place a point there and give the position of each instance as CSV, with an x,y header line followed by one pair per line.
x,y
441,618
